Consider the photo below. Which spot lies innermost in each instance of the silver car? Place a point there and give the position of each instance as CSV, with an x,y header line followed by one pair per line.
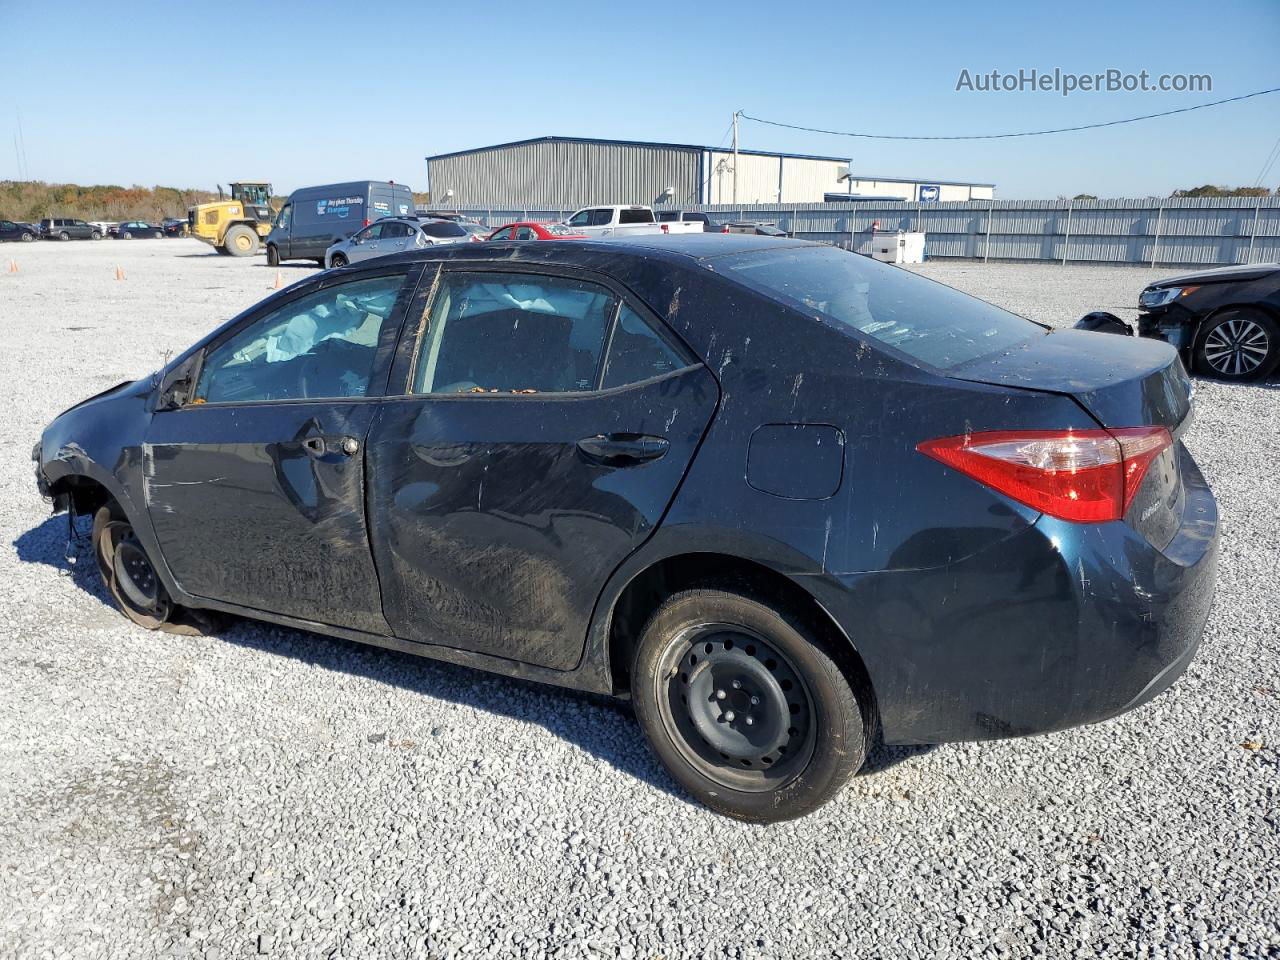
x,y
393,235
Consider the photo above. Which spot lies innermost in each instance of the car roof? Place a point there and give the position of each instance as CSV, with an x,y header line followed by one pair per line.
x,y
661,246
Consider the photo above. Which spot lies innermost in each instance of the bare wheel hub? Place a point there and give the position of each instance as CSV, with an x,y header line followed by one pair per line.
x,y
738,708
134,573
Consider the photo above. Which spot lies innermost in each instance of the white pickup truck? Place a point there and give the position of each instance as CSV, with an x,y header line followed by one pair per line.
x,y
623,220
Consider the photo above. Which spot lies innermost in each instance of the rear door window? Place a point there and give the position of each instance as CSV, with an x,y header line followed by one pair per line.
x,y
635,216
928,321
443,230
637,351
495,333
526,233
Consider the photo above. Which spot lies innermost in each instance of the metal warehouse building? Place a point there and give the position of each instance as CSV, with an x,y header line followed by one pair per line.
x,y
568,172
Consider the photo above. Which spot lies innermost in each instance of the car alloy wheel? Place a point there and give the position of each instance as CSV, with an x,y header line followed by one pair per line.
x,y
1237,347
64,235
736,707
27,238
338,260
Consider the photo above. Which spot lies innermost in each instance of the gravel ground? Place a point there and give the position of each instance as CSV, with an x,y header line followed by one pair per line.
x,y
270,792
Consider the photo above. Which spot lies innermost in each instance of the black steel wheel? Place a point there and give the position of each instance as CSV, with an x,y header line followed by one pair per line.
x,y
746,706
127,570
1238,344
737,708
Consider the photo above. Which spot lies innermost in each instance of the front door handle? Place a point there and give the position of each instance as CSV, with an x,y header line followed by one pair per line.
x,y
623,449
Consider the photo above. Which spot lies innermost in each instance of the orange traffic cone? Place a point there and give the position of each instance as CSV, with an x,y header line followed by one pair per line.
x,y
13,266
279,284
119,273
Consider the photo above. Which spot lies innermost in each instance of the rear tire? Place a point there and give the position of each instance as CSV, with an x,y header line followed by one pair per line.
x,y
127,235
64,235
240,241
273,255
745,705
127,571
1238,344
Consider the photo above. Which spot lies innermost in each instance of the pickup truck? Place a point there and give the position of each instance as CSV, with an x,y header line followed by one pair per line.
x,y
624,220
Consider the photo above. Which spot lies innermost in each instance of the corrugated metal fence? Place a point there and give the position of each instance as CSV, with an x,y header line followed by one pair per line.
x,y
1202,230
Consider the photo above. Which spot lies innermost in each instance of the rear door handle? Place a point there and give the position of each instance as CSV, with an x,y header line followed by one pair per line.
x,y
622,449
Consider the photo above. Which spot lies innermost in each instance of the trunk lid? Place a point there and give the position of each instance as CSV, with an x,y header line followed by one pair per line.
x,y
1121,382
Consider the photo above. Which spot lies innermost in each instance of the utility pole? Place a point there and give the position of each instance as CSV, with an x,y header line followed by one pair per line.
x,y
735,155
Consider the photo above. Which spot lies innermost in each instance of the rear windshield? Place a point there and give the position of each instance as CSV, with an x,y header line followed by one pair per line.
x,y
927,321
443,230
635,216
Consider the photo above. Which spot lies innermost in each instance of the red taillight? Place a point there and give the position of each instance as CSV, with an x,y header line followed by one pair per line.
x,y
725,228
1085,476
366,222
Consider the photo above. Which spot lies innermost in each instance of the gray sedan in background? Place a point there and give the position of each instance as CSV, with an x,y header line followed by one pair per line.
x,y
394,235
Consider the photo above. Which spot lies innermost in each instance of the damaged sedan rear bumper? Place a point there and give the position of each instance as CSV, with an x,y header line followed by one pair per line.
x,y
1061,625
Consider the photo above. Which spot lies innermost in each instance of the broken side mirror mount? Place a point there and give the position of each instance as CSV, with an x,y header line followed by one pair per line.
x,y
178,384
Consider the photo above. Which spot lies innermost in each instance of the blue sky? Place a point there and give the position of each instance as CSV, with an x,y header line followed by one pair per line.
x,y
320,92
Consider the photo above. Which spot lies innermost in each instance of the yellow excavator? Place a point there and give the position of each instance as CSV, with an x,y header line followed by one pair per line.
x,y
237,226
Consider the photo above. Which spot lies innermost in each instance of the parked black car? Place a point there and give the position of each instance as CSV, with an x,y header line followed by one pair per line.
x,y
1225,322
781,496
136,229
174,227
65,228
15,230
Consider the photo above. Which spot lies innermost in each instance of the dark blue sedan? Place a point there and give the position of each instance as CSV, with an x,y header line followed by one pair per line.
x,y
784,498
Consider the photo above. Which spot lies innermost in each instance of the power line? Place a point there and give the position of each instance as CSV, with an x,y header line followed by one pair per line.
x,y
1005,136
1272,155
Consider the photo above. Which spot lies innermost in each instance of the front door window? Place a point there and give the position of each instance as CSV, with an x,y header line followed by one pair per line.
x,y
320,346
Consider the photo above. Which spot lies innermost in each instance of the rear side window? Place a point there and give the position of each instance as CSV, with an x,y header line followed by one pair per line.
x,y
927,321
443,230
635,216
668,216
513,333
637,352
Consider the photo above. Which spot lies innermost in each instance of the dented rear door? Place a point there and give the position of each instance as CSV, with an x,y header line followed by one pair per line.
x,y
498,515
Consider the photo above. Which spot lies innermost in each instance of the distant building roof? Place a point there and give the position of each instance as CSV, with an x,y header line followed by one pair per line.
x,y
639,143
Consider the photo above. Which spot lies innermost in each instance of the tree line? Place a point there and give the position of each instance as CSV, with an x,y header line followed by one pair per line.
x,y
34,200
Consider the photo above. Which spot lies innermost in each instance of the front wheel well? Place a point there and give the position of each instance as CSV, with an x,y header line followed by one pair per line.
x,y
83,493
647,590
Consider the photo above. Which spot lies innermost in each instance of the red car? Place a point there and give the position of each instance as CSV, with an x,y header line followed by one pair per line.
x,y
528,230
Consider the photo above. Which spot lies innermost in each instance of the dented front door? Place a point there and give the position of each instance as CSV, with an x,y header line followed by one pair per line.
x,y
263,507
